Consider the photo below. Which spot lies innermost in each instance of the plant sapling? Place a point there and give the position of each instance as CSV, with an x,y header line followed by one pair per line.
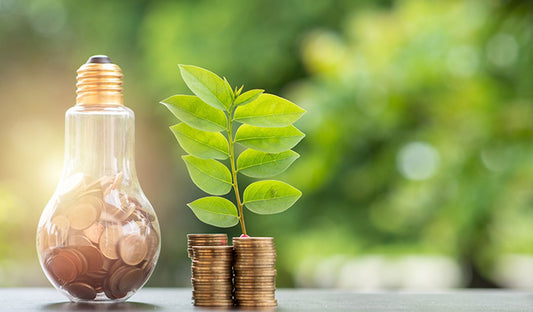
x,y
213,121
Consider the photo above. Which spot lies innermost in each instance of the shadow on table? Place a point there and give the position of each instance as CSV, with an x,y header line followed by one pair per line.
x,y
121,306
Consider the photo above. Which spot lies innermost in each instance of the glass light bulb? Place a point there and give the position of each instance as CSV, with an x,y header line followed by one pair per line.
x,y
98,238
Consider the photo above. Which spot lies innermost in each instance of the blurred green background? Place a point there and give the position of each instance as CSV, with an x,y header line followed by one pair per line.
x,y
417,168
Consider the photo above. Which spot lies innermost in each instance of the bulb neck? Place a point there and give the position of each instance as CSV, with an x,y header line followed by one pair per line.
x,y
99,82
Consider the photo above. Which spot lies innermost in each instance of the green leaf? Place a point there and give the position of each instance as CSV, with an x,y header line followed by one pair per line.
x,y
258,164
270,140
248,96
209,175
229,89
238,91
196,113
207,86
268,111
269,197
201,143
215,211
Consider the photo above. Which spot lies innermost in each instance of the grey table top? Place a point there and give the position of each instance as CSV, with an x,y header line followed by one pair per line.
x,y
178,299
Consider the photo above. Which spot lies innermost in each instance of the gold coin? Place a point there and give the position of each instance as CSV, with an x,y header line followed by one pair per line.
x,y
254,250
213,259
246,251
63,268
255,287
131,279
210,276
254,274
254,259
198,236
212,294
95,259
252,244
255,291
260,279
107,290
254,238
253,241
255,296
249,283
117,264
259,263
204,250
109,239
213,287
92,184
212,282
253,303
126,208
92,192
213,303
216,263
207,267
225,268
197,280
258,300
79,259
133,249
243,254
85,212
81,291
255,265
79,240
254,268
209,258
114,281
108,263
94,232
206,274
214,248
95,279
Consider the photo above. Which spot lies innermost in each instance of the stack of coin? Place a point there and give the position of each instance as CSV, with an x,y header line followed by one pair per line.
x,y
212,276
99,243
255,272
205,240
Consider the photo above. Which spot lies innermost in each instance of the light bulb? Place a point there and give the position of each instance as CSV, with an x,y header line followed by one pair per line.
x,y
98,238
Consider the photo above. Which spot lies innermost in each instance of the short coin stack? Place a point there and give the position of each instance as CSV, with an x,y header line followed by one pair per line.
x,y
255,272
212,276
205,240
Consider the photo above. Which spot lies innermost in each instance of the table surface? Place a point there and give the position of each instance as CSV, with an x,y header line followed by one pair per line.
x,y
179,299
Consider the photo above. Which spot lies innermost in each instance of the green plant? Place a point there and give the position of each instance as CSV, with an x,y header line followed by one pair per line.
x,y
213,122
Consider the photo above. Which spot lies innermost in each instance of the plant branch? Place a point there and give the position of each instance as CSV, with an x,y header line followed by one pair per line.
x,y
233,171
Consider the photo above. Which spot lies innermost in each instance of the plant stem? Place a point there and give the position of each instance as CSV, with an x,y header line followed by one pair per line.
x,y
234,172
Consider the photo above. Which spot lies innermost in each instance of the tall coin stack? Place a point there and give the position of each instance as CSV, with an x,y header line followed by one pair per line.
x,y
205,240
212,276
255,272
